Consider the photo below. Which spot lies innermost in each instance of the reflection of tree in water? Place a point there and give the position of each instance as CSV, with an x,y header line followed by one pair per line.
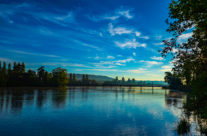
x,y
84,93
59,97
174,99
29,96
71,93
196,110
41,98
17,99
1,98
12,100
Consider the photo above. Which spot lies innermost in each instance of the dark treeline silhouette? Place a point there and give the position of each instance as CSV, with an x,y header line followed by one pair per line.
x,y
18,76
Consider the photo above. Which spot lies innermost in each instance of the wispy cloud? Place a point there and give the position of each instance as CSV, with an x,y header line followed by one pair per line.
x,y
114,63
130,44
144,37
160,43
118,30
60,64
157,58
110,57
10,10
99,69
97,58
137,33
150,63
87,45
125,30
34,54
134,53
126,13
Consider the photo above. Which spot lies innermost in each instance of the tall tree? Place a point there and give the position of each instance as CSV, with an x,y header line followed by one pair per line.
x,y
190,56
41,73
71,77
83,79
133,80
123,80
74,78
3,76
116,79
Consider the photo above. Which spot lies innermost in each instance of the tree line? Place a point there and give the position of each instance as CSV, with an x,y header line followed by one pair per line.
x,y
16,75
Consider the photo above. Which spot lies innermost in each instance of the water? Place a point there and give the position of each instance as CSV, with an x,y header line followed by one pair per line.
x,y
90,111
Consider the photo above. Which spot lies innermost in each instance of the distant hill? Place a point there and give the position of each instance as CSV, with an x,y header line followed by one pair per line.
x,y
98,78
101,79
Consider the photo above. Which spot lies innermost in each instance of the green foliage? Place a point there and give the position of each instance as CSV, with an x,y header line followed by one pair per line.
x,y
191,56
60,76
19,77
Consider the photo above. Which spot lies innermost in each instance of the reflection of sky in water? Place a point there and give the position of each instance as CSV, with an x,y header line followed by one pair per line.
x,y
89,111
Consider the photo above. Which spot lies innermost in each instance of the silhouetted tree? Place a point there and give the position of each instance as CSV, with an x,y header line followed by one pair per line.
x,y
41,73
70,77
123,80
19,77
83,79
74,78
173,81
3,76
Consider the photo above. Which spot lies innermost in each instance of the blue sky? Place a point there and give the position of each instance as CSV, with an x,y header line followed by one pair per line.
x,y
113,38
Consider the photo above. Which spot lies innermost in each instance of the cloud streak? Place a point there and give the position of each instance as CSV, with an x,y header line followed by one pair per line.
x,y
150,63
34,54
126,13
118,30
130,44
157,58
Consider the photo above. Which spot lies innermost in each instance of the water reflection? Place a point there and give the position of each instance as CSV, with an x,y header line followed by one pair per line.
x,y
14,99
90,110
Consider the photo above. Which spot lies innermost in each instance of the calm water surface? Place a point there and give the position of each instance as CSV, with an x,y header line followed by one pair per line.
x,y
90,111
